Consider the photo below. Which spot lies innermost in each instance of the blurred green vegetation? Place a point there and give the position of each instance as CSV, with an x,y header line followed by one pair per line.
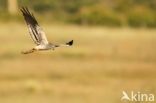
x,y
134,13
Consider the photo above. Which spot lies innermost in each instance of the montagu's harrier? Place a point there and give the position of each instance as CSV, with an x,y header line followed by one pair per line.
x,y
37,34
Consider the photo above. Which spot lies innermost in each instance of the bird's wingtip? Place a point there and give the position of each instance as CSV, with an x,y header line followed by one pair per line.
x,y
70,43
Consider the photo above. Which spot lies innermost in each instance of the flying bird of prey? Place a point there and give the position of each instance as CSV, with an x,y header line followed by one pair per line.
x,y
37,34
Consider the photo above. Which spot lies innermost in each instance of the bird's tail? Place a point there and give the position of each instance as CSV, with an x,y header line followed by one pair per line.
x,y
28,51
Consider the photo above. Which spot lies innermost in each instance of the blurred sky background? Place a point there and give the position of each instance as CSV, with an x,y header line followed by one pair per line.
x,y
114,50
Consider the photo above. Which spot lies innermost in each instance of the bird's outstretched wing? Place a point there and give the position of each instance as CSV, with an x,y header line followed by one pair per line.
x,y
70,43
36,32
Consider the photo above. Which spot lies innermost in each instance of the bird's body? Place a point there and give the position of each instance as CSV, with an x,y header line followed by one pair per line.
x,y
37,34
44,47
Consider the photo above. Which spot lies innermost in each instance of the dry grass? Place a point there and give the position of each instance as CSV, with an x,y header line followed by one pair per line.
x,y
101,64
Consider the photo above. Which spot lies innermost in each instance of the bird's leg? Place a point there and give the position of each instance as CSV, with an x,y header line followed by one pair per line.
x,y
29,51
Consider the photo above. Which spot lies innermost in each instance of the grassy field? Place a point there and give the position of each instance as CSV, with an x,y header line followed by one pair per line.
x,y
102,63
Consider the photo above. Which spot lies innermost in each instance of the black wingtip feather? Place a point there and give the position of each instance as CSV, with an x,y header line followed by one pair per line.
x,y
28,16
70,43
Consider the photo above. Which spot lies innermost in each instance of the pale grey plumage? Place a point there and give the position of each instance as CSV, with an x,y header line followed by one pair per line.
x,y
37,34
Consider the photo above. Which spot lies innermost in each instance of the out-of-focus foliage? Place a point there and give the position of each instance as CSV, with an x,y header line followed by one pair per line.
x,y
135,13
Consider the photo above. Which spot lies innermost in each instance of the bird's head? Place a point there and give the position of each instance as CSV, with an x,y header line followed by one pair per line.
x,y
51,46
